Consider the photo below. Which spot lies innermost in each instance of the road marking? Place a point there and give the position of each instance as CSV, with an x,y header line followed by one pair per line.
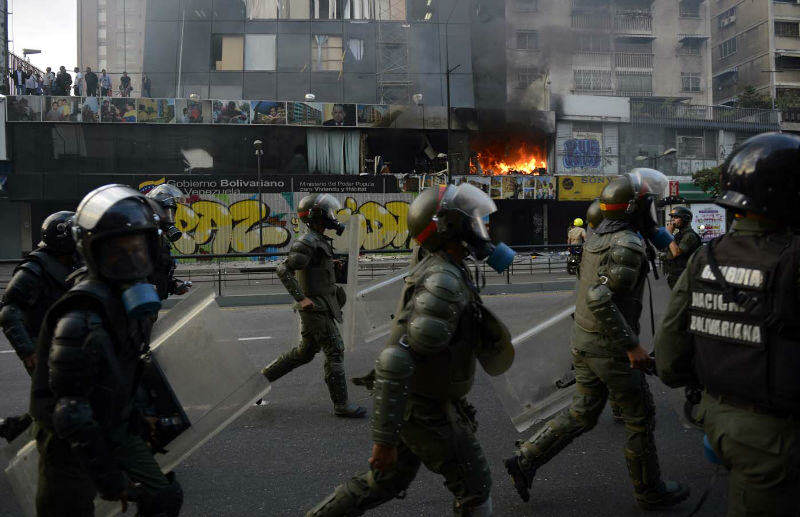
x,y
254,338
6,351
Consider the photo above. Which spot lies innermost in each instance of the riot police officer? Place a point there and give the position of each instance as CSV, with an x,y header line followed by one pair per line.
x,y
165,200
308,273
686,242
90,354
36,284
423,375
731,327
608,359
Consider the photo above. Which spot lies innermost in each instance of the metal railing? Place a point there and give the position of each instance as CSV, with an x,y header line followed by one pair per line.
x,y
791,115
591,60
633,60
595,21
224,272
633,22
698,116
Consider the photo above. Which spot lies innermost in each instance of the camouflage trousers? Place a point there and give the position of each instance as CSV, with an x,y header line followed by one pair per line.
x,y
762,453
598,380
318,331
439,435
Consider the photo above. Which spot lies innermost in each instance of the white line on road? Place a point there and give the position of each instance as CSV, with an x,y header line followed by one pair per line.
x,y
254,338
6,351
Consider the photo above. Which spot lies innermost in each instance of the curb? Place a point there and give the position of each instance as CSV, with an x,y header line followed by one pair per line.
x,y
253,300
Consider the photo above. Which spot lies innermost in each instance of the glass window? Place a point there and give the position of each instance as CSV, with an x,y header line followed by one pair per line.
x,y
727,48
527,5
102,51
262,9
259,52
594,43
356,48
293,9
101,33
101,16
390,10
527,40
326,53
690,82
227,52
325,10
526,76
726,18
689,9
592,80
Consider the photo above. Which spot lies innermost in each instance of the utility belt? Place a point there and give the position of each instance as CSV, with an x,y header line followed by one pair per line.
x,y
752,407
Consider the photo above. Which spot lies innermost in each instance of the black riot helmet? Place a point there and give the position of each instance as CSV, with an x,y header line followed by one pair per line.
x,y
456,213
317,210
594,216
165,198
57,233
682,212
116,232
761,176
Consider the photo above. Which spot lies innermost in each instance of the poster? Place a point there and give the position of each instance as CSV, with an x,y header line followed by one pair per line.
x,y
539,187
268,112
61,109
24,108
157,111
373,116
90,110
581,188
708,220
304,113
339,115
231,112
118,110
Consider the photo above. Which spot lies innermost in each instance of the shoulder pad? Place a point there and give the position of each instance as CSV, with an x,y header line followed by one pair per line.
x,y
394,362
24,286
75,324
444,281
630,240
310,239
304,245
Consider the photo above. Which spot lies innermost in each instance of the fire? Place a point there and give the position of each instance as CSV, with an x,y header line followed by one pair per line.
x,y
510,158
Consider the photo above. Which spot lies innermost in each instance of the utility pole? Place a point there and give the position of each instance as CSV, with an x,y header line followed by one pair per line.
x,y
258,145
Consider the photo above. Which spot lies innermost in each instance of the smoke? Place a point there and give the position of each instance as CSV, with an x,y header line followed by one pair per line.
x,y
557,44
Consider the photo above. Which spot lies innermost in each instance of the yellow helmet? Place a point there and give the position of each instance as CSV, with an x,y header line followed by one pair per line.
x,y
577,222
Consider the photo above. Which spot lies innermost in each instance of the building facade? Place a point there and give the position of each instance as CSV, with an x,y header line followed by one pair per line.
x,y
755,44
111,36
356,51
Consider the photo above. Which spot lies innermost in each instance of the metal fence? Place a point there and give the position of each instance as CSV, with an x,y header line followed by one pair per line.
x,y
698,116
250,272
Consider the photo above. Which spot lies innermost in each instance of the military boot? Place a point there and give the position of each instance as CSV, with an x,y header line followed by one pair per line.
x,y
522,473
13,426
651,493
337,387
483,509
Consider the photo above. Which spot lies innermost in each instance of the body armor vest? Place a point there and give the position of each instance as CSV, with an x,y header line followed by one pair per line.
x,y
675,266
747,338
318,279
112,397
54,280
594,264
449,374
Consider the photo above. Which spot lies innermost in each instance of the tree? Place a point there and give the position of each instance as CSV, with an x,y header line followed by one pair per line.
x,y
751,98
708,180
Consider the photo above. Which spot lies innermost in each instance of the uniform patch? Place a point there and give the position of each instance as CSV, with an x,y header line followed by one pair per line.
x,y
713,302
726,330
738,276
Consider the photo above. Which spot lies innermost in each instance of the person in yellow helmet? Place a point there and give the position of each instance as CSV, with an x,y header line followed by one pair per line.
x,y
576,235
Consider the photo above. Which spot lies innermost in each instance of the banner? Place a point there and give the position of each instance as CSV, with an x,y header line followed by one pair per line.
x,y
581,188
708,220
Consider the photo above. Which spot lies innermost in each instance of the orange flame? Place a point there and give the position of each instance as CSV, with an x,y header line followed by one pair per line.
x,y
504,159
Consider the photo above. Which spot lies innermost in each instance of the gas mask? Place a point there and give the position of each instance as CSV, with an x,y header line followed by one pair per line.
x,y
172,233
499,256
126,261
335,225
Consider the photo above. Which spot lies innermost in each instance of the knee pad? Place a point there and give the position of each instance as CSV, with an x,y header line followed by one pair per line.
x,y
167,502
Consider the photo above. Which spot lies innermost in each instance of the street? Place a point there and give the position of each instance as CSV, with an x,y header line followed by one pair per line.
x,y
282,458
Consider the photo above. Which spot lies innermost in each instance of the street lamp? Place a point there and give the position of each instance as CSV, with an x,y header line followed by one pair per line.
x,y
310,97
654,159
28,51
258,145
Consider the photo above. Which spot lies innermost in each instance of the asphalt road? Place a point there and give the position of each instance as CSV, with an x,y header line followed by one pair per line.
x,y
283,458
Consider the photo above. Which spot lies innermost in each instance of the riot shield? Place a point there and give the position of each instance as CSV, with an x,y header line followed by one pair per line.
x,y
541,382
199,379
378,302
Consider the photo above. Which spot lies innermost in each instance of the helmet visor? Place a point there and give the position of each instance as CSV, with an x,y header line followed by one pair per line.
x,y
328,206
473,203
648,181
166,191
125,257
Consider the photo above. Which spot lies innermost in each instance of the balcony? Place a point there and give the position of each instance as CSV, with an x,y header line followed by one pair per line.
x,y
633,60
786,77
589,5
702,117
591,60
633,23
595,21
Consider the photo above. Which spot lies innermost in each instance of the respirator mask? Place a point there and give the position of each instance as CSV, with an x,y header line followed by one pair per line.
x,y
649,185
126,261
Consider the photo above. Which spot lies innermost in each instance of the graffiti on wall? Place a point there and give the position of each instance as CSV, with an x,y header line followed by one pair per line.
x,y
385,225
580,153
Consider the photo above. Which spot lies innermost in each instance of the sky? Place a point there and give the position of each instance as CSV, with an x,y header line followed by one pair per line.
x,y
47,25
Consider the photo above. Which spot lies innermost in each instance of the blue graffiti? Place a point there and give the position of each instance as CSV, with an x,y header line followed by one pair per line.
x,y
581,153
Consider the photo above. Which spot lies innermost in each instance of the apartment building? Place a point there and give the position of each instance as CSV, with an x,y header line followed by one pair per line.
x,y
624,48
755,43
111,36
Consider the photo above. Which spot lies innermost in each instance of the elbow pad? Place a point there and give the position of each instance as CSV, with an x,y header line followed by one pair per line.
x,y
599,300
393,370
73,421
12,319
